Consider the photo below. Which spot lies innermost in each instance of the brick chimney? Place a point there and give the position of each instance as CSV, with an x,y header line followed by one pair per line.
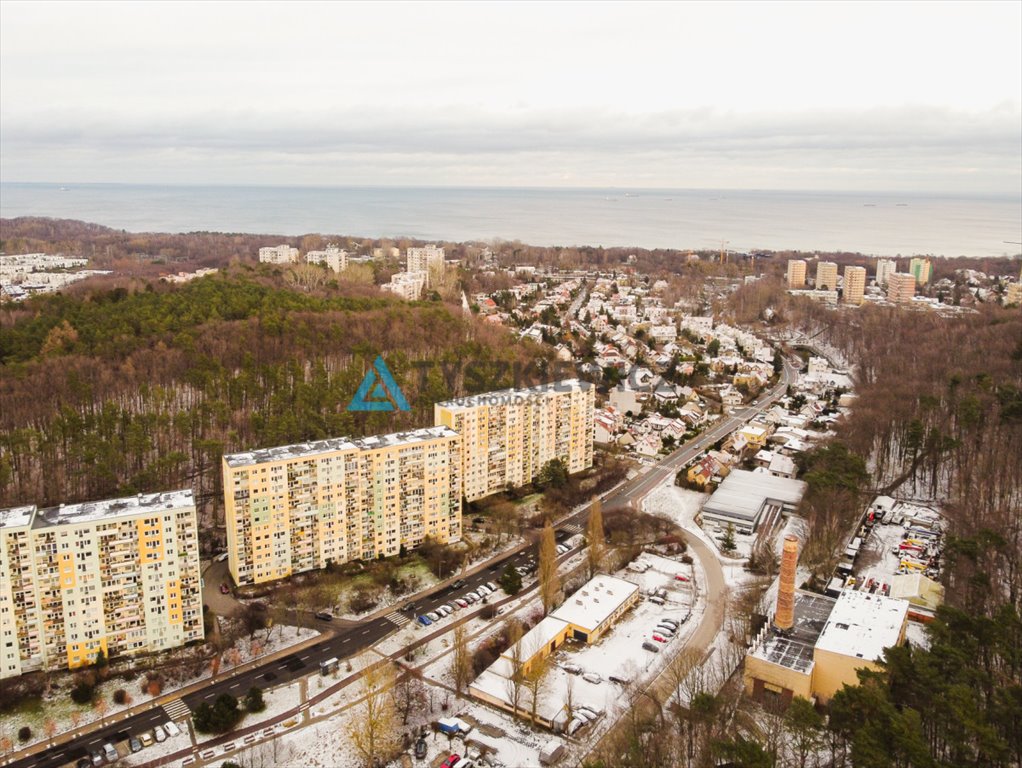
x,y
784,616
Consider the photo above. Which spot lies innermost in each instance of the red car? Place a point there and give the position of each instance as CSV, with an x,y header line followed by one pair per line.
x,y
659,638
224,589
679,577
449,762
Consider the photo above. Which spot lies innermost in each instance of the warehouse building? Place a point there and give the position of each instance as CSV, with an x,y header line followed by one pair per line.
x,y
744,497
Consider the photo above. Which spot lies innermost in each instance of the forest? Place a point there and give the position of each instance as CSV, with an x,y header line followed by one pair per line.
x,y
144,386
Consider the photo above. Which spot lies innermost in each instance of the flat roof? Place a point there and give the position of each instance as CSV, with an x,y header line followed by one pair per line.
x,y
511,395
862,625
742,494
795,649
90,511
335,445
595,601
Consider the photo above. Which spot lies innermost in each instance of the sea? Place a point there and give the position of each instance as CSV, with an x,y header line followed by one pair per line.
x,y
880,224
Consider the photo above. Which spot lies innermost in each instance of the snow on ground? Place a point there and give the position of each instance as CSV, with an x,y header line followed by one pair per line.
x,y
678,504
67,716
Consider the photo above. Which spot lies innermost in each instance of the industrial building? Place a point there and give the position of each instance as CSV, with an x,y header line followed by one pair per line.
x,y
300,507
814,644
114,577
586,616
744,497
508,436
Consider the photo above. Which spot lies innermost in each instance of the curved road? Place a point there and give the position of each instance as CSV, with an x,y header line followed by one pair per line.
x,y
348,641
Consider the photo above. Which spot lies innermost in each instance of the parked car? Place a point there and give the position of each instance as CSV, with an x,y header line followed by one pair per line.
x,y
659,638
680,577
325,616
671,623
573,726
134,744
171,728
146,739
493,587
160,734
450,761
420,749
433,616
84,762
572,669
97,756
648,646
472,597
224,589
458,584
424,621
619,679
592,677
461,602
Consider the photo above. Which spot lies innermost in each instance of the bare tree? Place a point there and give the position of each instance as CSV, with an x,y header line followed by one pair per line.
x,y
549,582
514,682
535,679
409,694
461,662
595,536
373,730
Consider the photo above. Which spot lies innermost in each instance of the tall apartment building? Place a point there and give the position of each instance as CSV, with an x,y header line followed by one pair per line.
x,y
901,287
119,576
885,268
826,276
508,436
426,259
280,254
333,257
920,270
855,285
796,273
299,507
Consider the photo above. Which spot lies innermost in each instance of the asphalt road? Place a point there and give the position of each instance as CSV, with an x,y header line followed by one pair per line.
x,y
352,640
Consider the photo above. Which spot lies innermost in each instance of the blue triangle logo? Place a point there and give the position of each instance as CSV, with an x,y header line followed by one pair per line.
x,y
378,391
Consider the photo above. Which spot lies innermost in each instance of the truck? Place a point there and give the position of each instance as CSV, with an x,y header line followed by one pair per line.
x,y
453,725
329,666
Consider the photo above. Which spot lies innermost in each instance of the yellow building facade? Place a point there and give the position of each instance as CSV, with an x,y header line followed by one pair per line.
x,y
508,436
119,576
300,507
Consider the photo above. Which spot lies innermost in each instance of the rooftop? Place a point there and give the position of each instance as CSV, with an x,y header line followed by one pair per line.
x,y
863,625
593,604
795,650
90,511
511,395
336,445
743,494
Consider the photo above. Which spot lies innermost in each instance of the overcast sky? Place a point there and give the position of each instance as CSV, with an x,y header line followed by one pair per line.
x,y
859,96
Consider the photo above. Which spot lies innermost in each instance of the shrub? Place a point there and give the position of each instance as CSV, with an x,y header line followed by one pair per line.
x,y
121,697
363,599
24,734
254,700
83,692
221,717
511,581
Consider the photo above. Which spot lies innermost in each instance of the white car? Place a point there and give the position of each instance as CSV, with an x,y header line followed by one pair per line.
x,y
592,677
171,728
160,734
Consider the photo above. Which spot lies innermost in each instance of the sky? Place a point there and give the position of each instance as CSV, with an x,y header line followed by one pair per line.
x,y
877,96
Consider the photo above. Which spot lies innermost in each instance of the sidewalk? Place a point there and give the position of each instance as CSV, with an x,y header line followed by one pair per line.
x,y
70,736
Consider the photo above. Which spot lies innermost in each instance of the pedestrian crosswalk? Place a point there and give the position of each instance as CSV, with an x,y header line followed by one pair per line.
x,y
398,618
177,710
573,528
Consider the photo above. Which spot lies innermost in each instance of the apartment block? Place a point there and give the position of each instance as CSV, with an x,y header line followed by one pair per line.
x,y
426,259
279,254
508,436
333,258
920,270
826,276
901,287
300,507
796,274
885,268
407,285
854,286
119,576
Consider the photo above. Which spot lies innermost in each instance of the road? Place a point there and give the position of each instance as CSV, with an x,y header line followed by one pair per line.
x,y
351,640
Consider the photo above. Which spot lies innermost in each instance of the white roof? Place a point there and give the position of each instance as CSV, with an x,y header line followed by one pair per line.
x,y
89,511
743,494
593,604
862,625
335,445
511,395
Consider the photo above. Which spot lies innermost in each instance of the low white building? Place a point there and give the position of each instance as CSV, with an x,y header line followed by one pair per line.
x,y
407,285
333,257
279,254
